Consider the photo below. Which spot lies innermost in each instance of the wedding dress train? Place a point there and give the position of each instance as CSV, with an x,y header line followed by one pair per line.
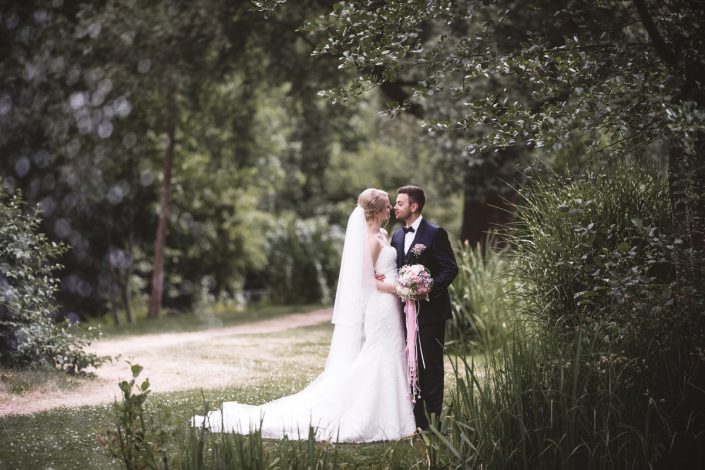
x,y
364,400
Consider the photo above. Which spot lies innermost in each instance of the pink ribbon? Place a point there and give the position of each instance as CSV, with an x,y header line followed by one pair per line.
x,y
412,366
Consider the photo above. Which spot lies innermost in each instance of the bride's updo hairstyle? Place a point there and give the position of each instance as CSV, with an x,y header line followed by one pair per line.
x,y
373,201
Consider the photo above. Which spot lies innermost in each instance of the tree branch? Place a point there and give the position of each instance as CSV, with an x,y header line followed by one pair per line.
x,y
663,50
395,92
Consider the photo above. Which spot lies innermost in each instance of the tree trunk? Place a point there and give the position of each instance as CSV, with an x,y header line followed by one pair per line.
x,y
487,198
113,297
686,182
126,293
155,300
697,210
114,310
483,217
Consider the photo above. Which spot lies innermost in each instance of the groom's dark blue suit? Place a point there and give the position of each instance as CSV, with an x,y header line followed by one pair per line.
x,y
439,259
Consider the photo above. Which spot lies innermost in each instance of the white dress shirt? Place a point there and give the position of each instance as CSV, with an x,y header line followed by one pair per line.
x,y
409,236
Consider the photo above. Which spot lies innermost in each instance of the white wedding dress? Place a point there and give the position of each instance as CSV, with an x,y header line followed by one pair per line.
x,y
366,400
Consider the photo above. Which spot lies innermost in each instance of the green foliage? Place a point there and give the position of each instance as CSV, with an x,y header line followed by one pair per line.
x,y
303,257
136,440
596,253
599,369
481,298
500,78
543,402
204,451
592,69
84,117
30,335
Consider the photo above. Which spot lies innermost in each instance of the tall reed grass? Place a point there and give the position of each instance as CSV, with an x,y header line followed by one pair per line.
x,y
202,450
543,403
597,369
483,307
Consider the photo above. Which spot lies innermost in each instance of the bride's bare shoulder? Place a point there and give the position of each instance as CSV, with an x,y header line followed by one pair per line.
x,y
383,237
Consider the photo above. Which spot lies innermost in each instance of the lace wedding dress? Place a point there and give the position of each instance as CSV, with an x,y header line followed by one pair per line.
x,y
366,400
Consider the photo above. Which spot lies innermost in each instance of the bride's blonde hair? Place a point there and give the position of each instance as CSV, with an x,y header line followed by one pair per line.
x,y
373,201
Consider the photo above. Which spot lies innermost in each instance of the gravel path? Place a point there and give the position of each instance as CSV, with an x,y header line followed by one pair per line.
x,y
207,359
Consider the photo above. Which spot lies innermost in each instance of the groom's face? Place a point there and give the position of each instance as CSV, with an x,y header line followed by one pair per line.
x,y
402,208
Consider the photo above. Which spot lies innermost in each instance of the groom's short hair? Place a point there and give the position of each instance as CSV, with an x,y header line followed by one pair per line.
x,y
416,195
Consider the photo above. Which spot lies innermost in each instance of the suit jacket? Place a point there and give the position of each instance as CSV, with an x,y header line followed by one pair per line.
x,y
439,259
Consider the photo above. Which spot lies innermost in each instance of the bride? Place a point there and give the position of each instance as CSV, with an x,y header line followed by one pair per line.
x,y
362,395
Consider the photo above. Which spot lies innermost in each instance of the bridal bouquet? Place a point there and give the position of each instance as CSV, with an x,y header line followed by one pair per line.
x,y
413,284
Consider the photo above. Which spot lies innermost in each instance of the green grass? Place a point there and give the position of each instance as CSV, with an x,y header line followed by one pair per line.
x,y
66,438
19,381
204,319
483,308
60,439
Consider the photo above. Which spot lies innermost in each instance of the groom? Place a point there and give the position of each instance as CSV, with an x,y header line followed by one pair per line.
x,y
432,250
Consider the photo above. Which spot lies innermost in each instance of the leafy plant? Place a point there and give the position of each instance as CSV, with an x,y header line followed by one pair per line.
x,y
303,257
135,439
597,255
143,441
480,298
29,334
599,369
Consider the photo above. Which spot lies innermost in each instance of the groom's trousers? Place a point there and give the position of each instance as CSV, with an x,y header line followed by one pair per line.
x,y
431,375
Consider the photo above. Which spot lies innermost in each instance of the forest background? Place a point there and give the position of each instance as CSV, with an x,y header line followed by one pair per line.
x,y
207,114
204,155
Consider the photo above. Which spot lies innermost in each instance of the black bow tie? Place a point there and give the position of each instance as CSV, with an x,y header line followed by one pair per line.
x,y
408,229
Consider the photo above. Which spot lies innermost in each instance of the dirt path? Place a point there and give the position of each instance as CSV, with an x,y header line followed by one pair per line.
x,y
175,361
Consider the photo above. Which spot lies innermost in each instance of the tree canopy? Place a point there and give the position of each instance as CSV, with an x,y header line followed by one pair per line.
x,y
620,77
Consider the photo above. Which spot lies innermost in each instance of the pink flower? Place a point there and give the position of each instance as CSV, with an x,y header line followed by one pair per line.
x,y
418,249
414,282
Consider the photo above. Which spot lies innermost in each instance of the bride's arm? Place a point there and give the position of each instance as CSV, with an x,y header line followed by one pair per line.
x,y
386,287
375,249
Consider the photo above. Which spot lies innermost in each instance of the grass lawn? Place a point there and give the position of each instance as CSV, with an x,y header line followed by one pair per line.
x,y
66,438
212,317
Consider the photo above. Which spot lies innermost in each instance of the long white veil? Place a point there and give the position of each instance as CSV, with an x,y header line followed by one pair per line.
x,y
356,283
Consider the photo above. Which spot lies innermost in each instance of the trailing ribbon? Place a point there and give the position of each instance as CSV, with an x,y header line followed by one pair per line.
x,y
412,366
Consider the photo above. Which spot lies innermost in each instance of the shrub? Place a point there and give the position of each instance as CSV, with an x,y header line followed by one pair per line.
x,y
136,440
596,256
482,306
29,333
601,370
303,260
546,403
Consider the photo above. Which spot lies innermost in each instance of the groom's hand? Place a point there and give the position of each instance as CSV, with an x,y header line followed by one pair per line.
x,y
379,277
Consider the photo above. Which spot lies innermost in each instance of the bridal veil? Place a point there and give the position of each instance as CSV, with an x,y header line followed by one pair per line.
x,y
356,282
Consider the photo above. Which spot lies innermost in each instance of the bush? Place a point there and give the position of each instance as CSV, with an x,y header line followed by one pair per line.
x,y
542,402
600,370
303,260
136,440
482,306
29,333
596,256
